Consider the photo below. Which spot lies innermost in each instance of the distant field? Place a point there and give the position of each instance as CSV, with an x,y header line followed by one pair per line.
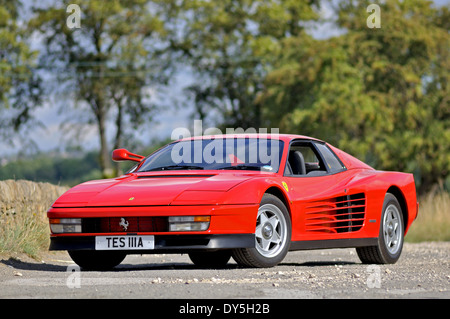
x,y
24,227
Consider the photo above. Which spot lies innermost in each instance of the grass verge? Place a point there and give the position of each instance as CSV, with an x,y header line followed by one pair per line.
x,y
23,221
23,232
433,221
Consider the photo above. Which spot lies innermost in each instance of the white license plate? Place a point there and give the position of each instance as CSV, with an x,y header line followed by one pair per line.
x,y
124,242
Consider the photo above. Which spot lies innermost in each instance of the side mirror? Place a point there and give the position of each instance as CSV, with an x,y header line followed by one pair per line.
x,y
122,154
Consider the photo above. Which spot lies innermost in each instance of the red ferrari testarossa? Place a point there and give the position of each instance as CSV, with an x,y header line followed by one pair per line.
x,y
252,197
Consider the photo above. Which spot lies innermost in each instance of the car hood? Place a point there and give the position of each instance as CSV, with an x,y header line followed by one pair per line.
x,y
146,189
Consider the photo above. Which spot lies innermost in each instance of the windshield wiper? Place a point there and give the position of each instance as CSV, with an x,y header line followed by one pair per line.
x,y
242,166
173,167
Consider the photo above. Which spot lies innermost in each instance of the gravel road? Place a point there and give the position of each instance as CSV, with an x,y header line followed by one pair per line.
x,y
423,271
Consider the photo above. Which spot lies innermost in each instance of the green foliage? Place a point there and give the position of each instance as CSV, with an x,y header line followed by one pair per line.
x,y
380,94
109,62
69,168
53,169
230,45
20,87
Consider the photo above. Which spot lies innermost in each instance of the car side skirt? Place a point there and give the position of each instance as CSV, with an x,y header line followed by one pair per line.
x,y
333,243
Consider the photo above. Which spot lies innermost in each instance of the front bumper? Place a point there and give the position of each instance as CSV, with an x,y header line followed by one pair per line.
x,y
225,219
164,243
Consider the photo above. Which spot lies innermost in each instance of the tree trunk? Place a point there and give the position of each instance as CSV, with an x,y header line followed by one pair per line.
x,y
105,163
118,139
99,110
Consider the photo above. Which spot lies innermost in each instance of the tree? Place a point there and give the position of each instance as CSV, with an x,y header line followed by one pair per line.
x,y
109,62
20,88
379,93
229,46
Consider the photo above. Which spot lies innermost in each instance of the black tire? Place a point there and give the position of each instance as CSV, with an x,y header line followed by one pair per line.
x,y
96,260
273,222
213,259
390,238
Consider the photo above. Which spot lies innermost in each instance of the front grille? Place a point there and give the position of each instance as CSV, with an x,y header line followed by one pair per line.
x,y
115,224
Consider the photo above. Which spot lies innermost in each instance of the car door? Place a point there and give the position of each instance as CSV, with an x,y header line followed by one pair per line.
x,y
318,186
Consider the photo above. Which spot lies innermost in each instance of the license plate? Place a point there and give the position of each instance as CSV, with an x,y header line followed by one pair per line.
x,y
124,242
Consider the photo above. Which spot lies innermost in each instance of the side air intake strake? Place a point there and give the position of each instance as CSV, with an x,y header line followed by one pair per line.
x,y
340,214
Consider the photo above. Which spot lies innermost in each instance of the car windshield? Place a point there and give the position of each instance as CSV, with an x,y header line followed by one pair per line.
x,y
259,154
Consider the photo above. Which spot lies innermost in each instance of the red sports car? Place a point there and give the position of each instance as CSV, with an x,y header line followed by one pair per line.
x,y
252,197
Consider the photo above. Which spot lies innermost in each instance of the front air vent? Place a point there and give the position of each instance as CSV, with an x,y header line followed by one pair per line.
x,y
340,214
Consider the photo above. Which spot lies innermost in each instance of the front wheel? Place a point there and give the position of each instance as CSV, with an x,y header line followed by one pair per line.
x,y
214,259
272,235
390,240
96,260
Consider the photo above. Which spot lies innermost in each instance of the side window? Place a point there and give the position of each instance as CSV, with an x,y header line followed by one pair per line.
x,y
303,160
331,161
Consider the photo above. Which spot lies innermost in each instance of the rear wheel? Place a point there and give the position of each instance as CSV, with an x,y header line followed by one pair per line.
x,y
96,260
390,239
272,235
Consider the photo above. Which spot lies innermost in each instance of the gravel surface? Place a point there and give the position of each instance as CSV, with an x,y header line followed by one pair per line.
x,y
423,271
